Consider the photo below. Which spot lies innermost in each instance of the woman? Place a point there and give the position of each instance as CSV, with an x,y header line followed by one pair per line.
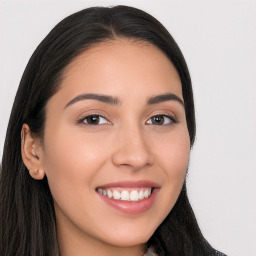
x,y
98,143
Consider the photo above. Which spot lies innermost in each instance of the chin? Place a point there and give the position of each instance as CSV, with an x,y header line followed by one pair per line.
x,y
129,239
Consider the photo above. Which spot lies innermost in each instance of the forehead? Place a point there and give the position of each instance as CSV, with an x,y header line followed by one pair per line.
x,y
121,67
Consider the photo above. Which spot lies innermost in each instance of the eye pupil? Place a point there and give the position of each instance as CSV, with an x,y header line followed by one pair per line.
x,y
158,120
93,119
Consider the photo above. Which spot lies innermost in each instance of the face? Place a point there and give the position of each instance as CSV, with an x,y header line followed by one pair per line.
x,y
116,144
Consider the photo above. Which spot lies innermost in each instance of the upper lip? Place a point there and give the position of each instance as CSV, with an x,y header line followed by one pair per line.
x,y
131,184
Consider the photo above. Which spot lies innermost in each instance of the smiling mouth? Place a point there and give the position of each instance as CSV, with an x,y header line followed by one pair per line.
x,y
126,194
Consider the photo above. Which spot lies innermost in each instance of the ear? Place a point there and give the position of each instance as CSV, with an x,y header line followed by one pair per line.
x,y
30,153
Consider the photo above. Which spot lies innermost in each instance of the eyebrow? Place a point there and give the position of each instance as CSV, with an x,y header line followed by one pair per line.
x,y
164,97
92,96
115,101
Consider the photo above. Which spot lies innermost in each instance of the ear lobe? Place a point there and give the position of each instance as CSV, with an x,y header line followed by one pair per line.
x,y
29,152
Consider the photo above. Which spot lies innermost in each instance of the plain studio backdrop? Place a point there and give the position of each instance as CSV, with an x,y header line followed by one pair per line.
x,y
218,40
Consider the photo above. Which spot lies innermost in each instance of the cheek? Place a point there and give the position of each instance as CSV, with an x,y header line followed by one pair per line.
x,y
173,158
173,153
176,160
71,161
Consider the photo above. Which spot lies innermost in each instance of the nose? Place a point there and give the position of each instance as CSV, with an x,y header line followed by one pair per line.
x,y
131,149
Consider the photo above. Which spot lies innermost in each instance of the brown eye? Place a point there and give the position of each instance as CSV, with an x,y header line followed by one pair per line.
x,y
158,120
161,120
95,120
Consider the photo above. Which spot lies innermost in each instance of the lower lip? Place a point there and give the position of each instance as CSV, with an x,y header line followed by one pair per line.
x,y
131,207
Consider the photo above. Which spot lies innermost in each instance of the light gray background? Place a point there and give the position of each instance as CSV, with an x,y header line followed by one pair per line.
x,y
218,39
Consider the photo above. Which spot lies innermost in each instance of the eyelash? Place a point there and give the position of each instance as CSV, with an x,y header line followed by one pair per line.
x,y
82,120
172,120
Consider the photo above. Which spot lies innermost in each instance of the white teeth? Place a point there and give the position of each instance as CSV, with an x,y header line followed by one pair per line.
x,y
109,193
125,195
134,195
146,193
116,195
141,195
119,194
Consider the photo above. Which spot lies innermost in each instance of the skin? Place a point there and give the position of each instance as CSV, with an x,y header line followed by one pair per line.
x,y
125,146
